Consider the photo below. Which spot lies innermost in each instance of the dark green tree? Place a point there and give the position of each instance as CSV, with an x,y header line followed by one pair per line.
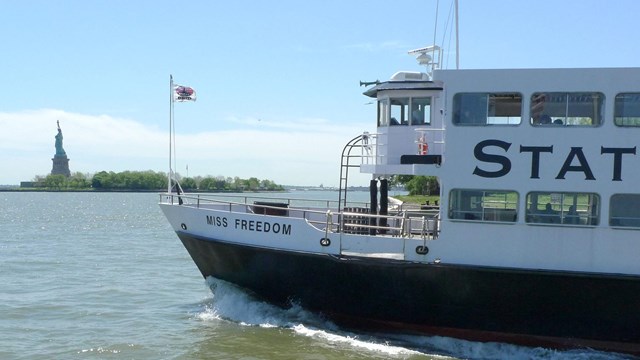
x,y
188,184
418,185
55,182
78,180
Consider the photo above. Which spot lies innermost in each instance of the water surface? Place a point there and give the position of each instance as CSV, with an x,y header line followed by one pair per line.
x,y
102,275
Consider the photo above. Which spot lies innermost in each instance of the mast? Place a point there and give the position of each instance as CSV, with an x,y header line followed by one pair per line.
x,y
457,37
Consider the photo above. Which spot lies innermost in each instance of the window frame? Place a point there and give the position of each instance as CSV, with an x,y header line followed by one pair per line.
x,y
387,108
490,98
383,112
612,210
426,114
540,118
617,105
466,208
559,213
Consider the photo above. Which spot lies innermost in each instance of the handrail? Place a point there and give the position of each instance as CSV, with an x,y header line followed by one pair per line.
x,y
245,199
347,221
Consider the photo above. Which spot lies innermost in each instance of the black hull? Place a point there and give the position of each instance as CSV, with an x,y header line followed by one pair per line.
x,y
541,308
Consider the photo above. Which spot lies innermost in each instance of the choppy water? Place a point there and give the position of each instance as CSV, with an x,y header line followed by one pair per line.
x,y
102,275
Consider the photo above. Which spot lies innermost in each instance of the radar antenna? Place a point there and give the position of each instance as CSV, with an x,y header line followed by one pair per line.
x,y
430,57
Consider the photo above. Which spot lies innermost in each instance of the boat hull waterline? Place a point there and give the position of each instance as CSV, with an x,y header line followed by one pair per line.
x,y
529,307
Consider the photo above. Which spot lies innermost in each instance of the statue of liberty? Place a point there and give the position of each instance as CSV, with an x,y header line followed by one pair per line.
x,y
59,149
60,159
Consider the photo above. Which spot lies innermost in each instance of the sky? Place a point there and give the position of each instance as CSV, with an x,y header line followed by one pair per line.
x,y
277,82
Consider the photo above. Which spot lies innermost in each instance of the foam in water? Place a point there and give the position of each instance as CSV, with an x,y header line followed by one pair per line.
x,y
491,350
233,304
355,341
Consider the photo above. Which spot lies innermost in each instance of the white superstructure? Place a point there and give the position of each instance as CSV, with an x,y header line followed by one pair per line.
x,y
538,168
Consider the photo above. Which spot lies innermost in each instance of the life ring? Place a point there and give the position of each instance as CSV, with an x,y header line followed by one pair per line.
x,y
423,147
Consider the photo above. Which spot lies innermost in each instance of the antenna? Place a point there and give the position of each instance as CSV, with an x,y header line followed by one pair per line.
x,y
457,38
431,56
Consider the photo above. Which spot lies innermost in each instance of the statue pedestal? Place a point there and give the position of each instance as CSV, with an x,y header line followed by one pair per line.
x,y
60,166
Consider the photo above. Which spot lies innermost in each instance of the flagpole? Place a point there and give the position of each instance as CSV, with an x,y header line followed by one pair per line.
x,y
176,94
170,131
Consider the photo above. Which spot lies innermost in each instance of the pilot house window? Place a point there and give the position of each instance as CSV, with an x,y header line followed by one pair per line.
x,y
477,109
383,113
399,111
566,109
404,111
420,111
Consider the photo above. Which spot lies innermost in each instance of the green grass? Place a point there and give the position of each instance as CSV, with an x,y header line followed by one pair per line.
x,y
418,199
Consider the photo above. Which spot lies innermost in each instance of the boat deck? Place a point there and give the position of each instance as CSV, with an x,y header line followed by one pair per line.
x,y
403,220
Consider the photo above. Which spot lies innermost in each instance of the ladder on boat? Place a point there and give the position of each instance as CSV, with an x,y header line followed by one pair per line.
x,y
361,142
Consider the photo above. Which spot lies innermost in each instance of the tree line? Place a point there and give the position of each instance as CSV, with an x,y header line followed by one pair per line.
x,y
149,181
157,181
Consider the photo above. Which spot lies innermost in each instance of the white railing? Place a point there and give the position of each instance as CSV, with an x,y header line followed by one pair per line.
x,y
369,150
428,141
354,219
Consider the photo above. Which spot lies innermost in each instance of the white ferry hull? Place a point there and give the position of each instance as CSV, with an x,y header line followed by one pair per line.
x,y
534,237
481,303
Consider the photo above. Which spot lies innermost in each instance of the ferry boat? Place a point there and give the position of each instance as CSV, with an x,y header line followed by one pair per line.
x,y
535,239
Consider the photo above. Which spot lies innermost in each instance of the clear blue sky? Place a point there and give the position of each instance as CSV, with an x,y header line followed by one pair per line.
x,y
277,81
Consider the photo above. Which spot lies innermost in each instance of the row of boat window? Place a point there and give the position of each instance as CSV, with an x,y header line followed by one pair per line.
x,y
567,208
546,109
404,111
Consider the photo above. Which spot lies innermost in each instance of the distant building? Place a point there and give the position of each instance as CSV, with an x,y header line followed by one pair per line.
x,y
31,184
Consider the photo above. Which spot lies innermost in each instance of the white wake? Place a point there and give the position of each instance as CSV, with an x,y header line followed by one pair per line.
x,y
231,303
